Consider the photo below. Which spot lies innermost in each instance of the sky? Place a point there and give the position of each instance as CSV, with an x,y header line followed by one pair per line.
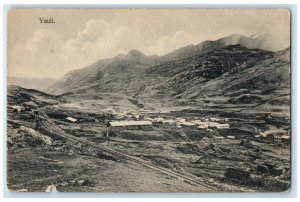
x,y
80,37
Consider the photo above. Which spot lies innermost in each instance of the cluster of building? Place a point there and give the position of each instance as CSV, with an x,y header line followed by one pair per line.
x,y
203,123
135,122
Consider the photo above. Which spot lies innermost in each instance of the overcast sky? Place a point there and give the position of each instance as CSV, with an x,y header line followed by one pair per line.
x,y
80,37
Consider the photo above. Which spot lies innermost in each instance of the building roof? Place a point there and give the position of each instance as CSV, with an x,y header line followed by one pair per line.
x,y
185,123
203,126
222,126
130,123
71,119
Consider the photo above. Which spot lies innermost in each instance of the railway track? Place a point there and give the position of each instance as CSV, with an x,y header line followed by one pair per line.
x,y
47,125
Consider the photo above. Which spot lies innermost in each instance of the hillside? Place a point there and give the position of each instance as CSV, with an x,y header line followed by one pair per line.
x,y
99,71
109,74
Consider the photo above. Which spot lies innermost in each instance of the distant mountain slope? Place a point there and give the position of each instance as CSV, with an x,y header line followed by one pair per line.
x,y
100,70
265,75
31,83
231,69
206,46
135,61
211,72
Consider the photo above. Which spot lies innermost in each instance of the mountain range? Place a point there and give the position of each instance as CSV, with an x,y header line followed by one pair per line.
x,y
229,66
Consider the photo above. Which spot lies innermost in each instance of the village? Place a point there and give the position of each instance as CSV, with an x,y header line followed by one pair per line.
x,y
213,147
148,120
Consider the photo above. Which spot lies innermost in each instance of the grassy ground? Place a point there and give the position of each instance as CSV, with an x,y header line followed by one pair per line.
x,y
34,169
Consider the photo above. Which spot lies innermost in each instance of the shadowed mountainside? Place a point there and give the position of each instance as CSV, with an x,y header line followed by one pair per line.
x,y
134,63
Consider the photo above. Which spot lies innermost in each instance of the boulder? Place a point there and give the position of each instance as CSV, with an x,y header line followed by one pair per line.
x,y
258,150
276,171
269,168
237,174
226,150
262,168
51,188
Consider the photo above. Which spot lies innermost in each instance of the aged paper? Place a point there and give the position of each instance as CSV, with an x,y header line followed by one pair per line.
x,y
148,100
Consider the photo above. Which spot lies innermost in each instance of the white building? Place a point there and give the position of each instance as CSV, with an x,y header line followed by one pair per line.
x,y
130,125
73,120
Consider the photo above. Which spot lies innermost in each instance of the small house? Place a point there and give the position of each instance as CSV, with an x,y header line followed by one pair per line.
x,y
222,126
70,119
187,124
202,126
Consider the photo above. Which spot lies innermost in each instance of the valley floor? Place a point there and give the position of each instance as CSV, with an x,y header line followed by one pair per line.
x,y
240,158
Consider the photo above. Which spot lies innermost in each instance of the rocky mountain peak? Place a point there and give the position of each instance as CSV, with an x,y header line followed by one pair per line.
x,y
135,54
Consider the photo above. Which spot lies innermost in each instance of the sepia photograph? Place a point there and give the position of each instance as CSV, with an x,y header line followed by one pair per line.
x,y
151,100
